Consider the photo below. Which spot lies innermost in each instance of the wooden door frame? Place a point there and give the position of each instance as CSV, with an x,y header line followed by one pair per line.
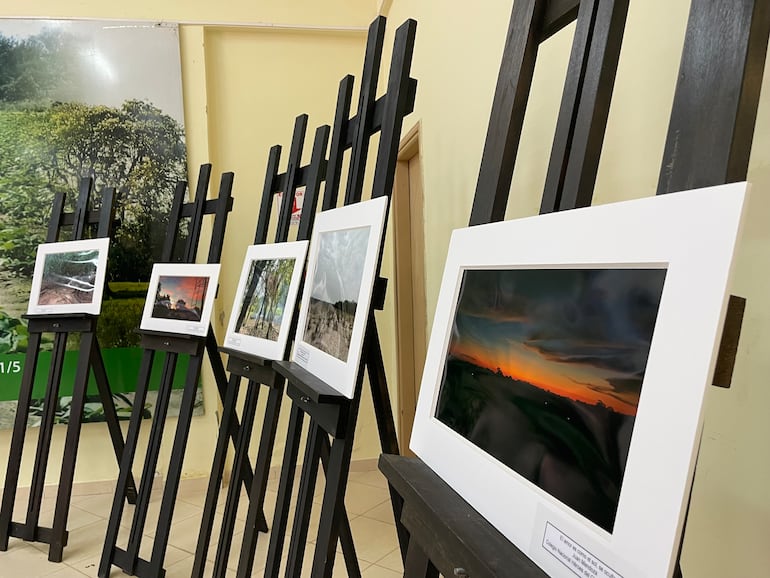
x,y
409,276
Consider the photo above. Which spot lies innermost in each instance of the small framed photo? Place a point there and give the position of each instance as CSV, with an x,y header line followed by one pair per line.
x,y
265,299
565,375
344,253
69,277
180,298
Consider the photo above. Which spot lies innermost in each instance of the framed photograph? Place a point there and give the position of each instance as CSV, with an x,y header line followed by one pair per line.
x,y
566,371
69,277
265,299
180,298
344,253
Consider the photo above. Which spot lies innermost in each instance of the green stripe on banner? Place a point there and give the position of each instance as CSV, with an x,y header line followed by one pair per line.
x,y
122,366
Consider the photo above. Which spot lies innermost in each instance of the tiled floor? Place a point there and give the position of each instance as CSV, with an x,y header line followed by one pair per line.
x,y
367,502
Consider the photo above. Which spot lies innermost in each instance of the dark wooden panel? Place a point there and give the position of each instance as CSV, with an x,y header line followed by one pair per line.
x,y
314,388
160,341
289,181
568,110
338,146
106,219
590,123
394,106
266,205
508,108
314,176
172,227
366,99
558,14
222,207
196,220
82,208
717,95
728,346
56,221
451,533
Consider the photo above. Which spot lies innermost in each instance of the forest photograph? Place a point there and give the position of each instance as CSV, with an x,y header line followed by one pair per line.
x,y
86,99
264,299
68,277
335,289
544,372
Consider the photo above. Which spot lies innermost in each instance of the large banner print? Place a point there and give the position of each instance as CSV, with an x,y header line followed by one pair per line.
x,y
98,99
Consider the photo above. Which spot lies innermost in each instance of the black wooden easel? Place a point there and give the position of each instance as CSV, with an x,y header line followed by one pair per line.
x,y
172,345
258,371
332,414
446,535
89,359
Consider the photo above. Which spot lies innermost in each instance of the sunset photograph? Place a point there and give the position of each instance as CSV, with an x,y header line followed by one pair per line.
x,y
180,297
544,372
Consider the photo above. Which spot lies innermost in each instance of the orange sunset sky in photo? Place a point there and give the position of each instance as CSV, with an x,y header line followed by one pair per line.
x,y
191,289
580,334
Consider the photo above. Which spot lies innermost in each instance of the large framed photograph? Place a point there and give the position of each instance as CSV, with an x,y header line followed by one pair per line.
x,y
87,98
265,299
344,253
180,298
566,371
69,277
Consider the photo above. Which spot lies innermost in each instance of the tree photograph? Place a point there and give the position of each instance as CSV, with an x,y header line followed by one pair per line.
x,y
265,300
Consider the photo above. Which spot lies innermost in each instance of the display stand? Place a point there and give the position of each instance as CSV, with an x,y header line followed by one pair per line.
x,y
330,413
173,345
89,359
441,538
258,371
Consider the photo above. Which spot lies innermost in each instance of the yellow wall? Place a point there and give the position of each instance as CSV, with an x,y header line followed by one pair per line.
x,y
456,61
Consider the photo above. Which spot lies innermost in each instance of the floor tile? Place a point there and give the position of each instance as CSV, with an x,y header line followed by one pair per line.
x,y
23,560
367,503
383,512
376,571
67,572
360,498
392,561
371,478
373,539
183,569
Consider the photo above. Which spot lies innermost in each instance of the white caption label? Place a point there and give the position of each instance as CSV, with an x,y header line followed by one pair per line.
x,y
303,355
574,556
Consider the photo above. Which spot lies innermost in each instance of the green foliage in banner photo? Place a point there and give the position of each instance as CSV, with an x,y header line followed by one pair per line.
x,y
50,139
62,119
13,334
46,150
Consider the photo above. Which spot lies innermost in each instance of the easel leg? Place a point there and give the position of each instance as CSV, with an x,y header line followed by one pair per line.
x,y
304,501
150,461
346,534
17,439
132,437
333,505
44,441
59,535
278,532
217,368
110,413
215,480
417,564
234,487
385,424
175,467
